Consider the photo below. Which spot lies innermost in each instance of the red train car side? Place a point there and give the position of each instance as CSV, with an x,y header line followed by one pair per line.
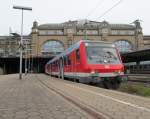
x,y
89,62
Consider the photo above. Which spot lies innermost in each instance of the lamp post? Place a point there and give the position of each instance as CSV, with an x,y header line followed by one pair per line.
x,y
22,8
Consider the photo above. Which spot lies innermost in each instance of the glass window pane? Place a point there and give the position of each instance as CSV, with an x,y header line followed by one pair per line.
x,y
52,47
123,46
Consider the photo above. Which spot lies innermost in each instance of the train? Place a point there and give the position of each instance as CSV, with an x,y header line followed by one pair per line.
x,y
143,67
89,62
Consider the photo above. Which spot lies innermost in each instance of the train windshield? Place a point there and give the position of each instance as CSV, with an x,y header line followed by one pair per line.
x,y
102,54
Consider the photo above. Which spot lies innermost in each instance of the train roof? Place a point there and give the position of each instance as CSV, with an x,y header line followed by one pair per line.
x,y
76,46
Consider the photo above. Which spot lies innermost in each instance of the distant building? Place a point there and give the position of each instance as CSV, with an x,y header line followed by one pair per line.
x,y
54,38
9,45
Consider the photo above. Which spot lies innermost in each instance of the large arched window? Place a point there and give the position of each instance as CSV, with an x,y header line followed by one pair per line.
x,y
123,45
52,47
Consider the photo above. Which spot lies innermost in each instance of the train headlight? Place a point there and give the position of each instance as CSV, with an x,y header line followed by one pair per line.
x,y
92,72
86,44
119,71
113,45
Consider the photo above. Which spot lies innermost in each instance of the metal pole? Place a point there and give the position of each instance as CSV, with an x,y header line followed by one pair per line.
x,y
21,44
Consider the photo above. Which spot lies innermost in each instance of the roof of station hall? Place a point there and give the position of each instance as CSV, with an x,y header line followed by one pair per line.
x,y
81,24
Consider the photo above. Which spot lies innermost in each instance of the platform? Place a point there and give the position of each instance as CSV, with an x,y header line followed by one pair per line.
x,y
29,99
39,96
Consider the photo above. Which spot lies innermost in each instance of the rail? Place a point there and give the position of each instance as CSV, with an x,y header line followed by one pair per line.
x,y
141,78
94,114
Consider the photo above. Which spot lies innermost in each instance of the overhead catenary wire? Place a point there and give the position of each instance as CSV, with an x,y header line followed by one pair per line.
x,y
98,5
115,5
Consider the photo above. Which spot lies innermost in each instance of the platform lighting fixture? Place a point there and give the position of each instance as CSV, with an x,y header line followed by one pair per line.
x,y
22,8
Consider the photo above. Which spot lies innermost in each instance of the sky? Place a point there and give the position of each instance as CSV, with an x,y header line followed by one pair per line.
x,y
58,11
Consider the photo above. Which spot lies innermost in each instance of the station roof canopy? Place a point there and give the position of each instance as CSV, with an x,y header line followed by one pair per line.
x,y
136,56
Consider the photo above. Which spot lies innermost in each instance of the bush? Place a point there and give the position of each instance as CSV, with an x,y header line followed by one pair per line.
x,y
137,89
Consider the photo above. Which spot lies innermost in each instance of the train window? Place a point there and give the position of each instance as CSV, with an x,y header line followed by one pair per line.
x,y
135,67
102,54
77,55
140,67
69,60
146,67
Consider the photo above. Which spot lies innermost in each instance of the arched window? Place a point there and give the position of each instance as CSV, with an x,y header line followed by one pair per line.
x,y
123,45
52,47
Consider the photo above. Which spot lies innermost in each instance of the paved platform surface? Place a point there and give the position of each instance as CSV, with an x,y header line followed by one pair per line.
x,y
113,104
29,99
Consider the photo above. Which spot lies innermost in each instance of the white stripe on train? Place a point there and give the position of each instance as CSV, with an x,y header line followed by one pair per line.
x,y
81,74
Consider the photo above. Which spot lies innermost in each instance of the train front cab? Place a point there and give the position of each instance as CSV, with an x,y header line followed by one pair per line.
x,y
106,65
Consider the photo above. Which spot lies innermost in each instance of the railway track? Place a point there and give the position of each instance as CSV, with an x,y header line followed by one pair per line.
x,y
96,102
92,112
140,78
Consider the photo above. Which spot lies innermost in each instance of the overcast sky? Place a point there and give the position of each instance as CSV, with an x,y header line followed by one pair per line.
x,y
57,11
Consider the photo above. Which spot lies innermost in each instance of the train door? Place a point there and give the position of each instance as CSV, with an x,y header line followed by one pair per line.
x,y
77,65
61,68
73,65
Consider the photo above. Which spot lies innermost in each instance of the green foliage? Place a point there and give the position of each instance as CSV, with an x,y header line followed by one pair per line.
x,y
137,89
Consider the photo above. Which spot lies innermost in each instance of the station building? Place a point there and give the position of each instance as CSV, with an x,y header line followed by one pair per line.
x,y
146,40
50,39
54,38
9,45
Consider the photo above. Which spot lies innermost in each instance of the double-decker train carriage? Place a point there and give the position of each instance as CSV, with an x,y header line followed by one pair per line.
x,y
89,62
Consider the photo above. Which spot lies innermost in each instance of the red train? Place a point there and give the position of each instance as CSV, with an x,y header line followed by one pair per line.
x,y
89,62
